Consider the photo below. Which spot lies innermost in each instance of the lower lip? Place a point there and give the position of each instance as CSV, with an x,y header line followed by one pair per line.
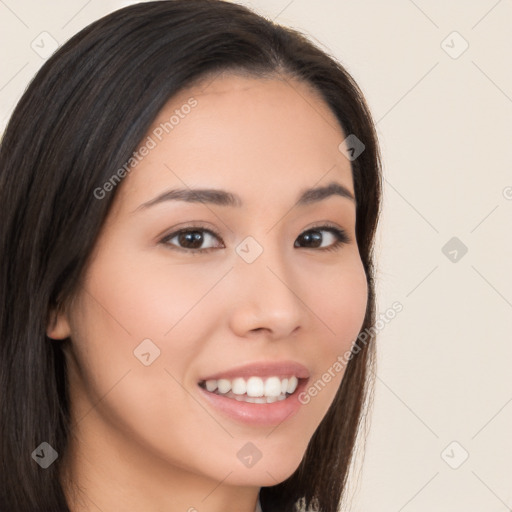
x,y
257,414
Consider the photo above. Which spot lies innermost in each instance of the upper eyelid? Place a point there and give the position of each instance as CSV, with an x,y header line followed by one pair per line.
x,y
200,227
194,227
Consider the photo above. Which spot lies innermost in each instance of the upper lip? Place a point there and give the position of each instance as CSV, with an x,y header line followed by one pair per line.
x,y
262,369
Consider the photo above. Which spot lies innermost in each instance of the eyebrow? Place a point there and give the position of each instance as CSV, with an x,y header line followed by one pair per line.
x,y
225,198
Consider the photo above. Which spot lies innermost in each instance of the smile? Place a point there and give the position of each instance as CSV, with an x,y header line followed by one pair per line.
x,y
271,407
253,389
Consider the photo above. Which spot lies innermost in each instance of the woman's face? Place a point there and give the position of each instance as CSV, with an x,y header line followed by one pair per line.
x,y
260,283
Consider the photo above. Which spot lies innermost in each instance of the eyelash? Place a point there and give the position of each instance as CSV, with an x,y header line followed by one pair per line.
x,y
340,234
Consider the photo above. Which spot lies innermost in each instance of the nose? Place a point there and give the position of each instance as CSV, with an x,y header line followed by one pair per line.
x,y
267,297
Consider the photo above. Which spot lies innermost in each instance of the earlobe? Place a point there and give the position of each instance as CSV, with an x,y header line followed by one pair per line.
x,y
58,325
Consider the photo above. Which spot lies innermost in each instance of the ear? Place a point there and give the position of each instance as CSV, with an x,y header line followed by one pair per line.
x,y
58,325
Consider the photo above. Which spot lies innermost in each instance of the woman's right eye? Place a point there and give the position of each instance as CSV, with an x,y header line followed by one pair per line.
x,y
192,238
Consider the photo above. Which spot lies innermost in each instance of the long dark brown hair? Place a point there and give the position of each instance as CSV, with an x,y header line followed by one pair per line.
x,y
80,119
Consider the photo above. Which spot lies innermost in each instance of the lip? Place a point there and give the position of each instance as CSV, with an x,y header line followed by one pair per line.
x,y
271,414
262,369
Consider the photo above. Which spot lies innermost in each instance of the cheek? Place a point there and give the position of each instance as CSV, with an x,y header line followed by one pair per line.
x,y
341,301
133,324
148,297
109,323
135,313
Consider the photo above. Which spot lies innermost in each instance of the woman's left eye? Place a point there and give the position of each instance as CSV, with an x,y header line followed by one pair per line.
x,y
339,235
192,238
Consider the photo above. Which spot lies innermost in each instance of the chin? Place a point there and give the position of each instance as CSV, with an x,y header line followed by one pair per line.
x,y
266,473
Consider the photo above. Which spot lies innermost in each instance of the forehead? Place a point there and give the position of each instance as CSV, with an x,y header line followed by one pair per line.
x,y
257,137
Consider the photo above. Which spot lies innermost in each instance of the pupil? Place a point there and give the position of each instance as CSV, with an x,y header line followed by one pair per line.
x,y
313,236
191,236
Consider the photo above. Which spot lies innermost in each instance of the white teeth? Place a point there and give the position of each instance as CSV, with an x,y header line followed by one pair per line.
x,y
239,387
211,385
292,384
254,389
253,400
224,385
273,387
256,400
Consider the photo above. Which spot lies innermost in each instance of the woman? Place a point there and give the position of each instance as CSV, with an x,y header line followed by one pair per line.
x,y
183,278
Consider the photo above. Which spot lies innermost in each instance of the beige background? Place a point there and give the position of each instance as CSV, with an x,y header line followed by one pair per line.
x,y
444,117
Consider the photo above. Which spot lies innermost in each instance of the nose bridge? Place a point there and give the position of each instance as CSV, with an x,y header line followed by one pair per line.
x,y
268,298
264,261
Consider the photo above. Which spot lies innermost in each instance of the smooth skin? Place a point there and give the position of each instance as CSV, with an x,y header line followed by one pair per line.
x,y
144,436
